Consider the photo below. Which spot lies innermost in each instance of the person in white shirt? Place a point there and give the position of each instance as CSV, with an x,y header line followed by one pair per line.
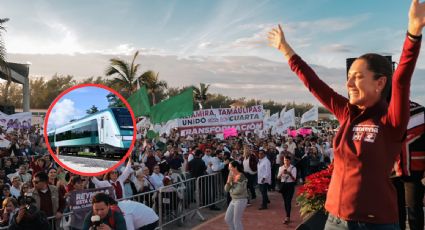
x,y
287,175
291,145
137,215
264,177
208,160
141,181
157,178
22,173
250,169
15,189
117,182
216,164
279,148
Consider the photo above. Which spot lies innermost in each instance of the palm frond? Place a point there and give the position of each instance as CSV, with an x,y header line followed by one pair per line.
x,y
132,66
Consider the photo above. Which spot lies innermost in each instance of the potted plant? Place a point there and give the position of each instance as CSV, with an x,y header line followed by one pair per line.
x,y
312,196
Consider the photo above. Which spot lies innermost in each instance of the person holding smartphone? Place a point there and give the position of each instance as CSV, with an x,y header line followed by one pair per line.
x,y
287,176
236,185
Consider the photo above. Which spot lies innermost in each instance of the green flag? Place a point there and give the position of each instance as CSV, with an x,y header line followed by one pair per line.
x,y
174,107
139,102
152,134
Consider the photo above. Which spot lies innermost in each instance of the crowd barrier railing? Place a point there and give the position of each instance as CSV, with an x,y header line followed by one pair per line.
x,y
175,203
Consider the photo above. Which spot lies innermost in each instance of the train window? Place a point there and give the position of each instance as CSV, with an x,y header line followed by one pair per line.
x,y
88,130
123,118
101,123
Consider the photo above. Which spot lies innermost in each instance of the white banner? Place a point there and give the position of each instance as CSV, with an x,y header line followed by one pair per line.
x,y
282,113
171,124
311,115
272,121
213,121
288,119
17,121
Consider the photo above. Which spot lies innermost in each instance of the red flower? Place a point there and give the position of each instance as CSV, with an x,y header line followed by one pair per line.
x,y
312,195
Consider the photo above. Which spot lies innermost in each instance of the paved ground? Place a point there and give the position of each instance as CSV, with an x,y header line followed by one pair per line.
x,y
253,219
85,164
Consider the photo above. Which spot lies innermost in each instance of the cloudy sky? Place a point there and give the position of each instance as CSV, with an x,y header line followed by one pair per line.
x,y
74,104
222,43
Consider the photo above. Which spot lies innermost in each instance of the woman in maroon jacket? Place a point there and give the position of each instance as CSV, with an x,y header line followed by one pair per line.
x,y
371,132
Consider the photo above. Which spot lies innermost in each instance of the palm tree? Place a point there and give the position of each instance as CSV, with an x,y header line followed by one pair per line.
x,y
125,74
153,84
201,94
3,64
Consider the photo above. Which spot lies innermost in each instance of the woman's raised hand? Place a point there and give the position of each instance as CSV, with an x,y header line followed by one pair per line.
x,y
277,40
416,17
276,37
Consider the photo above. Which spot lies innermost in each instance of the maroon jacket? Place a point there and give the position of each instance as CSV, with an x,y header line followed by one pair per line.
x,y
366,144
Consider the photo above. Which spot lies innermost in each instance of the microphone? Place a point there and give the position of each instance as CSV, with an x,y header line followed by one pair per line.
x,y
95,221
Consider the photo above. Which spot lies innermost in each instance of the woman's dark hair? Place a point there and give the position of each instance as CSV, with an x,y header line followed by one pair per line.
x,y
237,165
382,67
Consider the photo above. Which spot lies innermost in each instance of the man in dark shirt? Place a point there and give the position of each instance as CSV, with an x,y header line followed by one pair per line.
x,y
107,217
197,166
272,154
48,198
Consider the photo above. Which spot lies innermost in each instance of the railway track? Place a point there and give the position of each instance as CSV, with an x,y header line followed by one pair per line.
x,y
87,164
93,156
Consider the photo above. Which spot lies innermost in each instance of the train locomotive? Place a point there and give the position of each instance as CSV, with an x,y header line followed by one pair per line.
x,y
106,133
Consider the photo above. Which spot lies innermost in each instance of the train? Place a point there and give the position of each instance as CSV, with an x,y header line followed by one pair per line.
x,y
106,133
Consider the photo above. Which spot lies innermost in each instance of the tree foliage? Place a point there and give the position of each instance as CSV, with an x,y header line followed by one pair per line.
x,y
4,69
125,74
93,109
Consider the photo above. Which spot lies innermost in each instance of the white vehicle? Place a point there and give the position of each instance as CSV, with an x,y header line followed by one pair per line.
x,y
108,132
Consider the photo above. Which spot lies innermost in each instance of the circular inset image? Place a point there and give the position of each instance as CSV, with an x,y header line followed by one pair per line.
x,y
90,129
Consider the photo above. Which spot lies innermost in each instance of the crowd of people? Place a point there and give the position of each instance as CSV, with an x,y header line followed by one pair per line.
x,y
28,170
371,144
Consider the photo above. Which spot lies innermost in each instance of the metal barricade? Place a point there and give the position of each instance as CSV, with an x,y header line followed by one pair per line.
x,y
176,201
210,190
173,203
147,198
63,224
